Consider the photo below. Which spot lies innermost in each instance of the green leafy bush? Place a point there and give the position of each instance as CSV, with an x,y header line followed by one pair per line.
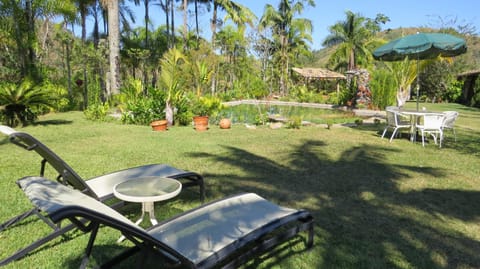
x,y
206,106
383,88
137,106
454,91
97,112
142,111
183,114
294,122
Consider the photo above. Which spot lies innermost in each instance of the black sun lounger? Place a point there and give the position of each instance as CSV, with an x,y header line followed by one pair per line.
x,y
100,187
224,233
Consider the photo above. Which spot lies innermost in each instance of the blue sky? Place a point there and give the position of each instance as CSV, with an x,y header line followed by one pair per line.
x,y
404,13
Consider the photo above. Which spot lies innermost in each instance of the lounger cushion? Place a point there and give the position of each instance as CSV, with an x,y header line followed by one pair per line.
x,y
220,224
103,185
50,197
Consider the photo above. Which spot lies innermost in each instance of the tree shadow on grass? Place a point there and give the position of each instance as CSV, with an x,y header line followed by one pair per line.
x,y
51,122
363,218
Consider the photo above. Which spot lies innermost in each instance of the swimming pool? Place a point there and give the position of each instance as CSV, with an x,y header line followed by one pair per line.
x,y
255,112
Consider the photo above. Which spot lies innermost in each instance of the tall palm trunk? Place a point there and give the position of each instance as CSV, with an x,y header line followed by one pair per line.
x,y
145,71
166,9
147,20
84,84
196,22
351,59
185,24
114,46
172,22
213,23
213,27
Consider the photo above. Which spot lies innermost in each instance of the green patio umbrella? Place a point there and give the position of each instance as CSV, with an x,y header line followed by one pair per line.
x,y
421,46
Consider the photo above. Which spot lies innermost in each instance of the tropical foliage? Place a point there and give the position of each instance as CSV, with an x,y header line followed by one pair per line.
x,y
23,102
118,67
290,36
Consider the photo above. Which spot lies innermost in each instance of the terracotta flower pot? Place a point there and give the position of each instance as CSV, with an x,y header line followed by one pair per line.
x,y
225,123
159,125
201,123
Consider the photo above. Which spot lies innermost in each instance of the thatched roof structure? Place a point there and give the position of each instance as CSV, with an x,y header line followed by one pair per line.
x,y
318,73
469,73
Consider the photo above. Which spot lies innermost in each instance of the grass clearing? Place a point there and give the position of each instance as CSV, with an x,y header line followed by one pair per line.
x,y
376,204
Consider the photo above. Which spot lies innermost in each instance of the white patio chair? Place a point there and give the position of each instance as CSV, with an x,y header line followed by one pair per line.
x,y
449,122
395,121
432,125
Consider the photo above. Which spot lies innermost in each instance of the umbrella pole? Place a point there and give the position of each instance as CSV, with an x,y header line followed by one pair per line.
x,y
418,82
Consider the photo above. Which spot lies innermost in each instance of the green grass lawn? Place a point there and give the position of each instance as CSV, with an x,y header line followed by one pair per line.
x,y
376,204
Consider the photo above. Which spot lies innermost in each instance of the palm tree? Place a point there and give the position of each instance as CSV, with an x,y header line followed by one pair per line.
x,y
238,13
146,4
196,2
171,80
84,7
352,37
287,31
168,7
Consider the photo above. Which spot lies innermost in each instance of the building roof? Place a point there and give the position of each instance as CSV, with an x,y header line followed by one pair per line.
x,y
319,73
469,73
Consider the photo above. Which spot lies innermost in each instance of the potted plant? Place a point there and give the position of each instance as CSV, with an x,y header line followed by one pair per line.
x,y
159,125
202,108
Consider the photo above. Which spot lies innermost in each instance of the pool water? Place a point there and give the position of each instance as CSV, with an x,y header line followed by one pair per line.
x,y
253,113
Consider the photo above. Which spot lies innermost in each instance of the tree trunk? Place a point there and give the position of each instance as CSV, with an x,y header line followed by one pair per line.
x,y
185,24
351,60
83,16
166,9
213,27
196,22
402,96
169,114
147,19
172,21
114,46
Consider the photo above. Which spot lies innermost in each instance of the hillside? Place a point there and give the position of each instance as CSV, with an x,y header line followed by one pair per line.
x,y
471,59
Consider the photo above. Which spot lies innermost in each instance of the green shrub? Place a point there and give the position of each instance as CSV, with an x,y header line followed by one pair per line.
x,y
183,113
261,118
206,106
348,93
140,109
454,91
383,88
294,122
142,112
97,112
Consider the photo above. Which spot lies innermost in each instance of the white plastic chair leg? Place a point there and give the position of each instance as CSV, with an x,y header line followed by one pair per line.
x,y
393,134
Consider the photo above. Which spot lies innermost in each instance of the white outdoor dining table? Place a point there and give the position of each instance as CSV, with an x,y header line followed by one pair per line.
x,y
415,116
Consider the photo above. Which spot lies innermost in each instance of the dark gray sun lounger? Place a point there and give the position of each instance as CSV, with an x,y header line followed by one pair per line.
x,y
224,233
100,188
